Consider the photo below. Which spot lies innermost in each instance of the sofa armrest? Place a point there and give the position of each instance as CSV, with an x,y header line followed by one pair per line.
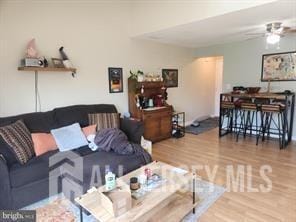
x,y
134,129
5,190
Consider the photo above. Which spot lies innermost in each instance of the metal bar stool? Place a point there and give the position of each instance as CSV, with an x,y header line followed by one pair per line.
x,y
227,109
272,115
248,113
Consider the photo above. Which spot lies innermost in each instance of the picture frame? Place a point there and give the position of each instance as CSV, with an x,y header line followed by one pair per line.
x,y
279,67
57,63
170,77
115,80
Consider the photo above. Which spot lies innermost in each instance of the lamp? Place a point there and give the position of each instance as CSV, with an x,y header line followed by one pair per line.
x,y
273,38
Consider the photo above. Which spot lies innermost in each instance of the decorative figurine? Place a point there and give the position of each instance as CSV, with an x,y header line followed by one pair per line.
x,y
67,63
31,49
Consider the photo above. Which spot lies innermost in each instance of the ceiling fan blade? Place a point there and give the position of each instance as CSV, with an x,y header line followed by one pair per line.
x,y
290,31
250,38
262,33
285,28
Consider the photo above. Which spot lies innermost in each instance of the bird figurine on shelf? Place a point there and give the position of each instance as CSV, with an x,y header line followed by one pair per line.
x,y
67,63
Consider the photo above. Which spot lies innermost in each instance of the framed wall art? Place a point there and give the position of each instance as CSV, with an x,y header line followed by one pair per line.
x,y
57,63
170,77
115,80
279,67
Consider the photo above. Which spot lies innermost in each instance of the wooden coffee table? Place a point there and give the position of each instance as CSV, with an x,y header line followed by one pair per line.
x,y
171,201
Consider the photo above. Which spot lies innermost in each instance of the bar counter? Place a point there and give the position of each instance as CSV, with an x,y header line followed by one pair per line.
x,y
231,100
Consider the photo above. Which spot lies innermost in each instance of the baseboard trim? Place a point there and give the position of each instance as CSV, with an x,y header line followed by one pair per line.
x,y
188,123
201,118
294,138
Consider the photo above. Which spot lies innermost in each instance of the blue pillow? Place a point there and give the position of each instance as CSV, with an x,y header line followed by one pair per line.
x,y
69,137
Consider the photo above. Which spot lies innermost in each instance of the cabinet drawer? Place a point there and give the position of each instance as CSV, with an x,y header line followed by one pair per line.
x,y
157,114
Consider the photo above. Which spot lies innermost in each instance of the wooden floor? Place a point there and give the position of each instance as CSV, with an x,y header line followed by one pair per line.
x,y
208,149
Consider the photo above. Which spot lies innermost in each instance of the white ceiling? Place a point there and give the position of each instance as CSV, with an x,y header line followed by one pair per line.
x,y
230,27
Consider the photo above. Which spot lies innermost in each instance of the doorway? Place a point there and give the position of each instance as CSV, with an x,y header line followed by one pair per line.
x,y
218,83
210,71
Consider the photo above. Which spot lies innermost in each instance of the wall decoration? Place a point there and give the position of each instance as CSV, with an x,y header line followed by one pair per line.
x,y
66,61
31,51
57,63
279,67
115,80
170,77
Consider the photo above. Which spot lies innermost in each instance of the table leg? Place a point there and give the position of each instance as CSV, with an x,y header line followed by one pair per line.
x,y
193,193
220,117
291,119
81,214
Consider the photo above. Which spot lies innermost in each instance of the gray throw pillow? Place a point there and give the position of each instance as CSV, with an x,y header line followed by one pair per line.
x,y
69,137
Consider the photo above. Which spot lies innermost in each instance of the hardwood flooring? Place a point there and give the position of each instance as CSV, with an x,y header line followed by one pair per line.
x,y
208,149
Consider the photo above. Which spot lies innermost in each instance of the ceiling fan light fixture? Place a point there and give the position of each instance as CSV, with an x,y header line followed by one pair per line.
x,y
273,38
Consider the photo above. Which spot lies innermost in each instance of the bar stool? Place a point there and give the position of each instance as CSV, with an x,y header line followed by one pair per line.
x,y
227,110
268,114
248,112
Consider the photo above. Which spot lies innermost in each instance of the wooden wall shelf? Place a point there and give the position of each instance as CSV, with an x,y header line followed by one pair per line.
x,y
47,69
36,71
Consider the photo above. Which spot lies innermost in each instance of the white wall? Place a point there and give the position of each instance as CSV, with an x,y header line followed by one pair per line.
x,y
242,63
201,89
95,36
151,16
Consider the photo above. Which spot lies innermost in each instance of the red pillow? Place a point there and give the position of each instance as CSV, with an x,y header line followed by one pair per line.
x,y
43,142
89,130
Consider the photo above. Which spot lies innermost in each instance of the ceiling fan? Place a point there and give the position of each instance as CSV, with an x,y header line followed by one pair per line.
x,y
274,32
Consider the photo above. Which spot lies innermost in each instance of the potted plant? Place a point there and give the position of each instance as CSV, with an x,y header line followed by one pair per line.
x,y
139,75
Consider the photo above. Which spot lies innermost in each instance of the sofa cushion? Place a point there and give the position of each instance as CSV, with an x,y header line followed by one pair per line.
x,y
134,129
34,170
41,122
69,137
89,130
43,143
83,151
79,113
104,120
18,137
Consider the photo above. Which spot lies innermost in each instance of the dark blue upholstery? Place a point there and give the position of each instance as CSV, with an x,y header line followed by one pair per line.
x,y
35,169
5,188
72,114
36,122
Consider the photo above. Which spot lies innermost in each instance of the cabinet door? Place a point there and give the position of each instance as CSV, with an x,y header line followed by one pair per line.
x,y
166,126
152,128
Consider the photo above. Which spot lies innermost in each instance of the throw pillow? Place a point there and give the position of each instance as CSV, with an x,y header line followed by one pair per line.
x,y
89,130
18,138
104,120
69,137
8,153
43,143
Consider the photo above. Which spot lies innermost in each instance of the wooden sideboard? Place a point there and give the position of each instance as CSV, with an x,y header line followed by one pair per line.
x,y
157,120
157,124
